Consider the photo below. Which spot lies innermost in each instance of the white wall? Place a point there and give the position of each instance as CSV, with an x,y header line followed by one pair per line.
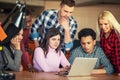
x,y
87,16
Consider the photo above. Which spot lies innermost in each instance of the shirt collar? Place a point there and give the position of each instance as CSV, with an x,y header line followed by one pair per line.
x,y
51,49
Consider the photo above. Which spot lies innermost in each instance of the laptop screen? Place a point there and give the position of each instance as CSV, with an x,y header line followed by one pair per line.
x,y
82,66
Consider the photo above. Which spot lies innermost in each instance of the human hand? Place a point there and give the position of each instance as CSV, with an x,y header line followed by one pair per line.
x,y
67,68
16,43
99,71
64,21
64,71
118,74
31,68
21,68
36,43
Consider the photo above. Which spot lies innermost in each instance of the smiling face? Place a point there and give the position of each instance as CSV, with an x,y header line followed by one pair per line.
x,y
66,11
104,26
88,44
54,41
18,37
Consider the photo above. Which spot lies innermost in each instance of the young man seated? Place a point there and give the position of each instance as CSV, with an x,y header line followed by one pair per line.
x,y
88,49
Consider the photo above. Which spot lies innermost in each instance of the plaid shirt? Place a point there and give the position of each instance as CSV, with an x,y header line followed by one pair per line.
x,y
111,46
49,19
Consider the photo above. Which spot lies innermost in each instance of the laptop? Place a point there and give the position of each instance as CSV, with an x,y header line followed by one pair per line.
x,y
82,66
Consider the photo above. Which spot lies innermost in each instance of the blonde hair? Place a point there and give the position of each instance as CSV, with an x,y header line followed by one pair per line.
x,y
107,15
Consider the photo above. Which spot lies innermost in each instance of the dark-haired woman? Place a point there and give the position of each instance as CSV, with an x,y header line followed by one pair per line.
x,y
48,57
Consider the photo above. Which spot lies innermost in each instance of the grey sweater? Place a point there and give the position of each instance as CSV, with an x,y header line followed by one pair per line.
x,y
13,64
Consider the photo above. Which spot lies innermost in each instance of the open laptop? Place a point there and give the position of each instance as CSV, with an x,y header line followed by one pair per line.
x,y
82,66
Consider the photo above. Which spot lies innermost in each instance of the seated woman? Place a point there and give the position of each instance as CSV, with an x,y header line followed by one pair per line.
x,y
10,58
48,57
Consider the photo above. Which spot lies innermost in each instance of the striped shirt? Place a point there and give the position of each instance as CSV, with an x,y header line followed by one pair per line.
x,y
49,19
97,53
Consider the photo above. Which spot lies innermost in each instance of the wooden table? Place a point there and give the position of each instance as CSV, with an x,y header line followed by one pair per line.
x,y
52,76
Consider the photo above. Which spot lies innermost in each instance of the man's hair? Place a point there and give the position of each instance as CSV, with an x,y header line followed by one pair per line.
x,y
69,3
28,12
87,32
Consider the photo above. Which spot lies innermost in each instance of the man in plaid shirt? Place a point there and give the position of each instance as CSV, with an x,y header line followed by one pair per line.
x,y
60,19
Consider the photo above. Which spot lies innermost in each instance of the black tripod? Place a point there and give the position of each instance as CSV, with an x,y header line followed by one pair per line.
x,y
21,10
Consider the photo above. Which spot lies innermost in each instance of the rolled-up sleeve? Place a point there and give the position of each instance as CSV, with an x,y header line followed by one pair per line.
x,y
69,45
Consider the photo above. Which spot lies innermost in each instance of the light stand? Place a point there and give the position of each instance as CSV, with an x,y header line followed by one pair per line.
x,y
16,22
18,5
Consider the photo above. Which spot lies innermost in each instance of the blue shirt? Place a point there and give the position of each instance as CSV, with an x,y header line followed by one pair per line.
x,y
97,53
49,19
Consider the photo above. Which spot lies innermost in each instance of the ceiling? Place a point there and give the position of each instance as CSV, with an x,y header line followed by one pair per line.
x,y
11,3
78,2
29,2
7,5
96,2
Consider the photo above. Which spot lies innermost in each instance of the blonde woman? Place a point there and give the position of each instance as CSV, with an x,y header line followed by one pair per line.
x,y
110,38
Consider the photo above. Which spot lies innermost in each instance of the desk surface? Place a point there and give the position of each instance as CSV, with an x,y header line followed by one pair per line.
x,y
52,76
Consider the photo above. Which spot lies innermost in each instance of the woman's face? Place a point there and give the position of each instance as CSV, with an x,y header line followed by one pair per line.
x,y
54,41
104,26
17,38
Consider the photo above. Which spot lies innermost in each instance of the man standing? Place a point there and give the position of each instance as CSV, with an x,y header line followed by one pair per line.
x,y
27,50
60,19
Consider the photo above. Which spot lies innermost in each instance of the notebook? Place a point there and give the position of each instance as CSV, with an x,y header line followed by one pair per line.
x,y
82,66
